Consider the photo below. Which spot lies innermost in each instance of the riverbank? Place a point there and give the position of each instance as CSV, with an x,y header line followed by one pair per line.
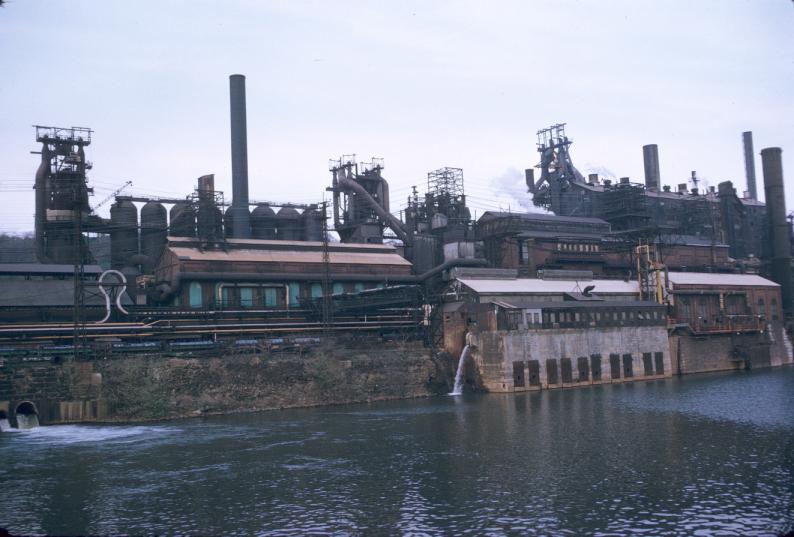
x,y
151,387
699,454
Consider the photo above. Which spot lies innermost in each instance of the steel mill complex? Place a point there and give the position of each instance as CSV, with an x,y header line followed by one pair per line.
x,y
608,281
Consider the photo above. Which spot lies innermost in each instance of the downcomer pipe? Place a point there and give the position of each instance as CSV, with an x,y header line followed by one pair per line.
x,y
42,196
778,226
241,220
396,226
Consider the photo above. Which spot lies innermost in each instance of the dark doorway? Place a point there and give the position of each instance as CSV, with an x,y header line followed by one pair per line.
x,y
595,366
614,365
518,374
551,372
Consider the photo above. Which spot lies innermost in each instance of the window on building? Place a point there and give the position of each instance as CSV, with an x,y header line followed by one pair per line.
x,y
761,307
194,295
773,307
246,297
317,290
294,293
358,287
271,297
227,297
338,288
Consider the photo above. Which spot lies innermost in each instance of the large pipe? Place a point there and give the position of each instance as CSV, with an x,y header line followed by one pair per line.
x,y
778,226
650,157
394,224
749,164
241,227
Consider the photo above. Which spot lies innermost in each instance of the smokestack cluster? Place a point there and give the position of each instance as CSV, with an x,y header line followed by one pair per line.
x,y
749,164
778,226
240,217
650,157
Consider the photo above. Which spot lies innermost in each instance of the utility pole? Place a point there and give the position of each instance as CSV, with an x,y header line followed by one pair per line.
x,y
327,307
78,339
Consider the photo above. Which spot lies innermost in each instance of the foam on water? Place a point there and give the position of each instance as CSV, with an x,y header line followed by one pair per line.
x,y
72,434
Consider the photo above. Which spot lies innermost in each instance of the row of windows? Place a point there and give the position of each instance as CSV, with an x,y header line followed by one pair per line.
x,y
524,319
587,369
265,295
585,316
577,247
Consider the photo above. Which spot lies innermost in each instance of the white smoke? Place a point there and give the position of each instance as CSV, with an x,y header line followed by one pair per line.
x,y
602,171
506,192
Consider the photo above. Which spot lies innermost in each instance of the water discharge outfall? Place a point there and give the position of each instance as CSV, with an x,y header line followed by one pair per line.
x,y
458,388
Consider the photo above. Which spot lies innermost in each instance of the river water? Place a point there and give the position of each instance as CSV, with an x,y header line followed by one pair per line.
x,y
703,455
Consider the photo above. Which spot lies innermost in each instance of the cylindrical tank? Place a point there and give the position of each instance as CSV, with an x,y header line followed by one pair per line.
x,y
263,223
228,223
237,217
312,224
288,223
154,230
183,220
123,233
209,222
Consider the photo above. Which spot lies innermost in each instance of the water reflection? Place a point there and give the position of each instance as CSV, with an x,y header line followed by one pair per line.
x,y
706,454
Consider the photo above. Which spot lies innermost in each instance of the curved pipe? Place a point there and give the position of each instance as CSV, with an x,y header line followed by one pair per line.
x,y
394,223
104,292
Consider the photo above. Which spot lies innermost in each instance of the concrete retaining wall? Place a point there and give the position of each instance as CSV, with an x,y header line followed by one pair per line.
x,y
506,361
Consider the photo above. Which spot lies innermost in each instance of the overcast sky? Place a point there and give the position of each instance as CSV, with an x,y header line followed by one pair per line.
x,y
422,84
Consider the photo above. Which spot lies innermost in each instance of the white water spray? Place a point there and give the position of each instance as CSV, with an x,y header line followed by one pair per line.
x,y
27,421
458,388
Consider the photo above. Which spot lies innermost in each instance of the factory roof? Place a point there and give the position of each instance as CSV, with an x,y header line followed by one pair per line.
x,y
289,256
26,293
689,240
577,305
45,268
546,287
261,244
550,217
558,235
720,280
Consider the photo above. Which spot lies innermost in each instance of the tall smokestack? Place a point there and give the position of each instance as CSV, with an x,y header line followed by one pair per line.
x,y
749,164
650,156
240,217
778,227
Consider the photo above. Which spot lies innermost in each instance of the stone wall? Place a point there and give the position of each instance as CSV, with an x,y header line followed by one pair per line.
x,y
524,360
152,387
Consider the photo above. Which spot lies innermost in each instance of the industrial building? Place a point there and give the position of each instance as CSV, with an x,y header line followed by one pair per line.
x,y
251,273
